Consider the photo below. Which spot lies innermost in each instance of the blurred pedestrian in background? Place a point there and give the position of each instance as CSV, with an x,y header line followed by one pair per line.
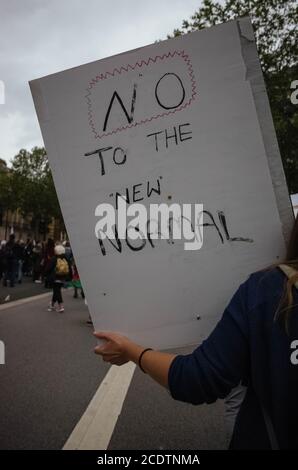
x,y
20,253
2,258
37,256
68,250
11,262
58,272
49,253
76,283
27,264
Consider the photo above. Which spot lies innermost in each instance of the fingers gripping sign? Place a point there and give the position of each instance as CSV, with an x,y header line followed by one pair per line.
x,y
118,350
115,348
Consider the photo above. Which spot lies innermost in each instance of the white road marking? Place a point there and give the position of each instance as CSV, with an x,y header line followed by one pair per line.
x,y
15,303
96,426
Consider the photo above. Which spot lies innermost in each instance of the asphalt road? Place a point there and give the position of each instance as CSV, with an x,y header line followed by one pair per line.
x,y
151,420
51,374
20,291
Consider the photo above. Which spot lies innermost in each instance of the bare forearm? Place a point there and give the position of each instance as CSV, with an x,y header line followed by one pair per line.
x,y
155,363
118,349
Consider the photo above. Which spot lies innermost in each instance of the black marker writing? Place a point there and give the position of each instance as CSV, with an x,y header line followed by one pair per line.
x,y
162,104
133,195
116,159
222,219
178,134
130,116
99,153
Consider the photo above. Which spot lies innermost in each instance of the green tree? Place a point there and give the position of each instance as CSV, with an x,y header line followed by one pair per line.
x,y
34,188
5,190
5,195
275,26
9,192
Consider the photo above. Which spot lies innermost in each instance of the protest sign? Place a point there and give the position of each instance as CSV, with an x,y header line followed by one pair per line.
x,y
183,121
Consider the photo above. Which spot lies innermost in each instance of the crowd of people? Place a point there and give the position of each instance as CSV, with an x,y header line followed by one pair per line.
x,y
51,263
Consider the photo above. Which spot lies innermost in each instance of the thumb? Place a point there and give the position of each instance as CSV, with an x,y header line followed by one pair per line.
x,y
103,335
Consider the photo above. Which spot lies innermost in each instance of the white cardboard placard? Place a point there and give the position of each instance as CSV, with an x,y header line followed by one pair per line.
x,y
183,121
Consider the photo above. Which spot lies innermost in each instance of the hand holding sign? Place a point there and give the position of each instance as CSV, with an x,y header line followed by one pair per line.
x,y
116,349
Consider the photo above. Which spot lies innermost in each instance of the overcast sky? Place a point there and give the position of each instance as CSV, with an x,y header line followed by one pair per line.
x,y
39,37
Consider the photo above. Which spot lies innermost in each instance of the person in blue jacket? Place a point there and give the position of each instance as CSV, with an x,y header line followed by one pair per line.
x,y
255,343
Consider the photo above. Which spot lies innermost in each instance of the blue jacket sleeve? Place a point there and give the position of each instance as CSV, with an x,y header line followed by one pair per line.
x,y
220,363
